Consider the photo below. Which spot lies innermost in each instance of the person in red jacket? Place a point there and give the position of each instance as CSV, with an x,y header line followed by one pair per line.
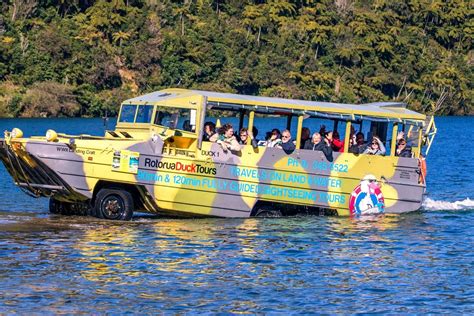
x,y
337,144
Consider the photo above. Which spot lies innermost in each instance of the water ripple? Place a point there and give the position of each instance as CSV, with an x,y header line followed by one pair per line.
x,y
410,263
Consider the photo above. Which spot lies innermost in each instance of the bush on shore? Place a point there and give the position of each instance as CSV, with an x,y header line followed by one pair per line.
x,y
82,58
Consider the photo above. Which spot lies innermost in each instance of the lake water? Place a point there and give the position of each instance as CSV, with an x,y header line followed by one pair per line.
x,y
420,262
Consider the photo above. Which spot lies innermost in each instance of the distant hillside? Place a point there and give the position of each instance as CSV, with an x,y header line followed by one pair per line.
x,y
82,57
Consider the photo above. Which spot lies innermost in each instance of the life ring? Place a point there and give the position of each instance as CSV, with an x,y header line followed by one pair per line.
x,y
423,169
366,198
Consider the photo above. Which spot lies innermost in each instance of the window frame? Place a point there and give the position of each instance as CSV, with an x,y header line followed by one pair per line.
x,y
152,116
121,113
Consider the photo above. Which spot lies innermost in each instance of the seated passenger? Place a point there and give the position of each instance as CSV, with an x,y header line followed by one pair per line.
x,y
322,131
317,144
273,138
376,147
245,135
254,134
337,144
305,135
286,143
359,144
402,149
187,126
225,137
209,130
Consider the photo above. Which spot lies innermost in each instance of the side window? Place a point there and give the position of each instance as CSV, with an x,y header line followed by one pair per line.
x,y
366,129
265,123
127,114
224,116
388,139
144,114
324,126
318,125
174,118
412,135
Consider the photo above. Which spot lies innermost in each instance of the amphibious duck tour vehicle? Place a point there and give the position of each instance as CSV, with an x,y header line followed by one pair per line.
x,y
157,161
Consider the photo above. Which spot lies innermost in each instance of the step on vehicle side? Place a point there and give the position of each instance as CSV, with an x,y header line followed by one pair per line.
x,y
156,160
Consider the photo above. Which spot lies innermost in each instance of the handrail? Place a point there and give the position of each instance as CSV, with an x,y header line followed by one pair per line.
x,y
429,134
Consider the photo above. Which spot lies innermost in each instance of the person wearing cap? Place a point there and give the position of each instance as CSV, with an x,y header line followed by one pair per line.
x,y
403,150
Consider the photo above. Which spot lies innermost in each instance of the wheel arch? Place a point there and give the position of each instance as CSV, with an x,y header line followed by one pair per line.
x,y
134,190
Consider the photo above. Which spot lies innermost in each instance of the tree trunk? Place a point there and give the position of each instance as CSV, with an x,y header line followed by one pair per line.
x,y
15,8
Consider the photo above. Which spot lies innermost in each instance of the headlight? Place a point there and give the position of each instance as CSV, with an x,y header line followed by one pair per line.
x,y
51,135
17,133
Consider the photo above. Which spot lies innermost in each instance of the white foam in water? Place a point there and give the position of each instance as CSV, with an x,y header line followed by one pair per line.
x,y
433,205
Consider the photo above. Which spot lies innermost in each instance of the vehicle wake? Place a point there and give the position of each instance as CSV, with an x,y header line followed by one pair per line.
x,y
434,205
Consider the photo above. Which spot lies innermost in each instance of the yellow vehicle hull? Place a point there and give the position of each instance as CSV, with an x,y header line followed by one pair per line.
x,y
212,182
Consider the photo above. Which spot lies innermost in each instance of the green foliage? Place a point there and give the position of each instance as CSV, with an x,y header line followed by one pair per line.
x,y
82,58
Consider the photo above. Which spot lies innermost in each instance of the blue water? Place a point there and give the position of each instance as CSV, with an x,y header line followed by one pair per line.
x,y
419,262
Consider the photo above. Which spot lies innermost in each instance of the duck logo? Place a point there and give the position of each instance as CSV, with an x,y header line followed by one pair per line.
x,y
367,198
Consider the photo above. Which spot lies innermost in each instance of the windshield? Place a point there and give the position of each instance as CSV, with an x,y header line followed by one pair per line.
x,y
144,114
127,115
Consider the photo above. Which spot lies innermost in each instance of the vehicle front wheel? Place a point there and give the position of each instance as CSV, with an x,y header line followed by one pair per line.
x,y
55,207
114,204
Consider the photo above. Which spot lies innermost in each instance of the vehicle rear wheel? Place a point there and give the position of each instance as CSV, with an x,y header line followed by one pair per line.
x,y
268,212
114,205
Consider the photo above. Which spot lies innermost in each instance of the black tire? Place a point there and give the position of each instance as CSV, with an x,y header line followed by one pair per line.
x,y
114,205
60,207
268,212
54,206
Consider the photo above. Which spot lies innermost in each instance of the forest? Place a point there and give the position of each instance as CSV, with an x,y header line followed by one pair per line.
x,y
83,57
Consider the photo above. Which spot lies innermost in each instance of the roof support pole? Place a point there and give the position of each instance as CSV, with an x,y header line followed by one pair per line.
x,y
298,131
200,121
288,122
336,123
418,148
394,139
250,128
241,119
347,137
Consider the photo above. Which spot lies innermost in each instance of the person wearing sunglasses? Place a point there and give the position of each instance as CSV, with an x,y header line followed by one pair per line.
x,y
375,147
245,134
286,143
403,148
